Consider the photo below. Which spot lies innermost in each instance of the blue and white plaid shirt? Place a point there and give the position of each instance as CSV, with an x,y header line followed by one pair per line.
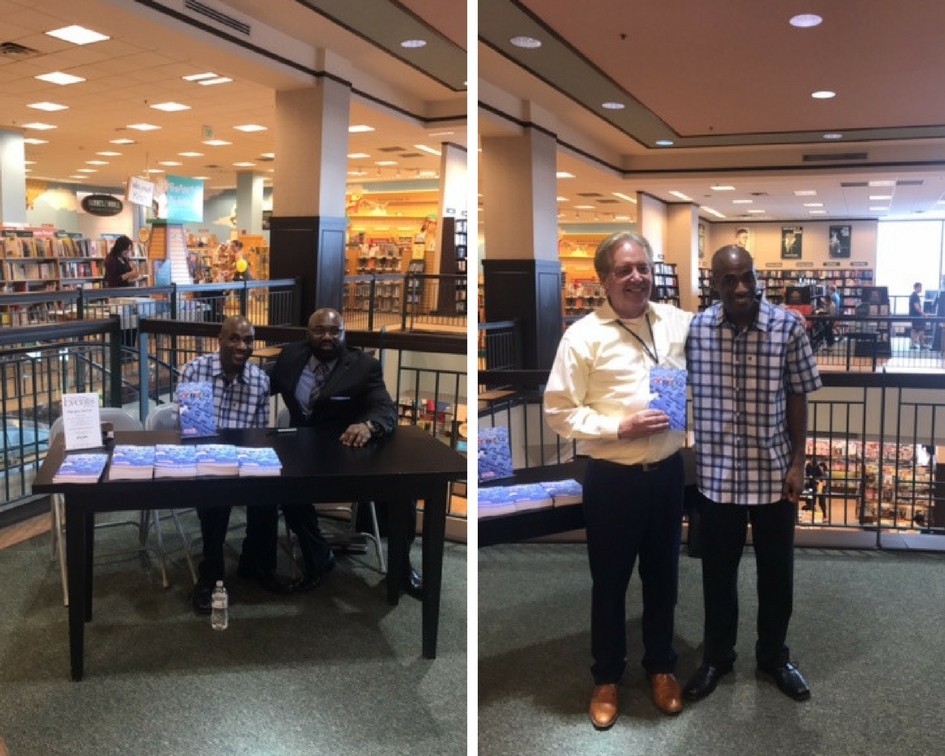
x,y
740,384
244,403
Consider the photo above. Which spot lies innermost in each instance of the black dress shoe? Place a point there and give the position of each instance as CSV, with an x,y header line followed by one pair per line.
x,y
313,578
789,680
413,583
272,581
202,598
704,680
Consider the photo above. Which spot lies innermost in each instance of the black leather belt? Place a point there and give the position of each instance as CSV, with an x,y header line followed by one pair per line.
x,y
650,466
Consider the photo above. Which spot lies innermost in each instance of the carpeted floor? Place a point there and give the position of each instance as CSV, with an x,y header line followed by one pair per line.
x,y
867,631
337,671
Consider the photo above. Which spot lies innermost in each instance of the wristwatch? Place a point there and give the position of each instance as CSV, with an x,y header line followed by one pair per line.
x,y
373,427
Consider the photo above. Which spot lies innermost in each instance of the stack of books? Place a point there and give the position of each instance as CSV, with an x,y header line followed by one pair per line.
x,y
258,461
217,459
504,500
81,468
131,462
175,461
564,492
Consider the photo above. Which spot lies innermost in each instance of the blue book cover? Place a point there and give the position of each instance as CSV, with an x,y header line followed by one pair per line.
x,y
197,416
668,393
527,496
494,454
494,502
217,459
175,461
131,462
81,468
256,461
564,492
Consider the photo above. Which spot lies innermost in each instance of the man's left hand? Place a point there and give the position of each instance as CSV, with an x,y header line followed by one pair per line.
x,y
793,484
356,435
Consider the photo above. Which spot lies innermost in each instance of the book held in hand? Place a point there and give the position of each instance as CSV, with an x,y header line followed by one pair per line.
x,y
131,462
259,461
217,459
81,468
175,461
668,393
197,416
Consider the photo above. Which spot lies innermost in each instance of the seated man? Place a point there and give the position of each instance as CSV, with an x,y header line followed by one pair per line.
x,y
240,400
324,383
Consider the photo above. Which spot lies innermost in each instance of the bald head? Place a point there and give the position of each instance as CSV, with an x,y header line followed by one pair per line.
x,y
731,255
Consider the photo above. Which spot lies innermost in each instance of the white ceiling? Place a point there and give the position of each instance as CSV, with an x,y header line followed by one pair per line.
x,y
730,84
409,97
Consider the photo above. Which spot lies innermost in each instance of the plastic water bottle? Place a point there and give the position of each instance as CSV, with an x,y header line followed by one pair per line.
x,y
219,612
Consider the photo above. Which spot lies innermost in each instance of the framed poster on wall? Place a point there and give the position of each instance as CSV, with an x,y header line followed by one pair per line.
x,y
791,242
839,245
743,238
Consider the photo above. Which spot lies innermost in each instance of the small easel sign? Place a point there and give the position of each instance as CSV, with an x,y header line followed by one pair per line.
x,y
81,421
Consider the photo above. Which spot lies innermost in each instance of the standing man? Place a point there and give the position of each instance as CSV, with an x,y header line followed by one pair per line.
x,y
833,308
918,315
751,367
324,383
598,393
240,400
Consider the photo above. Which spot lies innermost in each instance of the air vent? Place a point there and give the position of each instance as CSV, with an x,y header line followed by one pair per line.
x,y
854,184
590,194
757,194
390,149
827,157
607,201
218,16
411,155
13,51
910,182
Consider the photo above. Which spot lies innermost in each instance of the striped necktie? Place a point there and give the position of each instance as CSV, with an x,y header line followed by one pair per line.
x,y
321,375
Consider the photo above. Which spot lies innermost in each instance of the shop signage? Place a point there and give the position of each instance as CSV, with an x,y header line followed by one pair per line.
x,y
774,265
831,265
102,204
805,265
859,264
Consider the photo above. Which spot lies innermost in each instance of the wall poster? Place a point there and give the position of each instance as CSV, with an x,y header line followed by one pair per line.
x,y
839,244
791,242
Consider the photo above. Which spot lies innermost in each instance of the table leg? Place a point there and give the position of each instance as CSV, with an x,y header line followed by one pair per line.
x,y
78,537
434,534
397,522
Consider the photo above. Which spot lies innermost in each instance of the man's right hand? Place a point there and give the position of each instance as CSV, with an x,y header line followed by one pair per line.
x,y
643,423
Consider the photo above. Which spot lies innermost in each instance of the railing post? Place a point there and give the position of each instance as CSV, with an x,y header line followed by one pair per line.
x,y
114,373
244,300
372,299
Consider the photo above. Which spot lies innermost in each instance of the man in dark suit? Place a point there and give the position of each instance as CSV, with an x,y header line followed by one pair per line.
x,y
324,383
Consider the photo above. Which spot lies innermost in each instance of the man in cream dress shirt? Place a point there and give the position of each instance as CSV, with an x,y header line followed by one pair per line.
x,y
598,394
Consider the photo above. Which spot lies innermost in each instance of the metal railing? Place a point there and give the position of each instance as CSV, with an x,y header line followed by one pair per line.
x,y
411,301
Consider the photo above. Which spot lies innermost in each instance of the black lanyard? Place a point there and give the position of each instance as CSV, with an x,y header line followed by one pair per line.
x,y
651,353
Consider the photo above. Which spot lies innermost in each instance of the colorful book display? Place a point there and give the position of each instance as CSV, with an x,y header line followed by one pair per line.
x,y
259,461
175,461
564,492
197,418
494,453
131,462
81,468
668,393
217,459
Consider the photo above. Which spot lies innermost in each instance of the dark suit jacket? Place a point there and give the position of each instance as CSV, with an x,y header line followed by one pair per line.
x,y
353,393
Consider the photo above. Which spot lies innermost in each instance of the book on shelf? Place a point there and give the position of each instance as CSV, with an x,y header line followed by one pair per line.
x,y
175,461
258,461
217,459
564,492
197,416
85,467
668,393
131,462
494,453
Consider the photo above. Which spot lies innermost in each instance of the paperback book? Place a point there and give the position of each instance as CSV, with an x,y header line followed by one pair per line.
x,y
131,462
259,461
564,492
175,461
668,393
494,502
197,417
81,468
494,453
529,496
217,459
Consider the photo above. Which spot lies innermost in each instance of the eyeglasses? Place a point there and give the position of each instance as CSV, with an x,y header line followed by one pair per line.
x,y
333,331
625,272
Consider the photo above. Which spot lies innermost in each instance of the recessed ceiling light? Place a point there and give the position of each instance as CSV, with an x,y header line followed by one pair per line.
x,y
29,162
756,211
60,78
359,128
357,173
526,43
428,174
122,141
251,127
565,199
169,162
428,150
613,106
155,170
806,20
833,135
86,170
742,202
201,76
711,211
216,142
881,183
880,197
664,142
412,44
269,155
584,207
625,197
49,107
96,162
170,107
358,155
202,178
880,209
813,204
564,175
143,126
680,195
33,140
80,176
212,82
805,193
190,154
823,94
818,212
244,164
385,162
108,153
722,188
39,126
77,35
441,133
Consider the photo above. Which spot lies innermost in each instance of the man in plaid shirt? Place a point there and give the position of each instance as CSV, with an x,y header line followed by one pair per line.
x,y
240,400
751,367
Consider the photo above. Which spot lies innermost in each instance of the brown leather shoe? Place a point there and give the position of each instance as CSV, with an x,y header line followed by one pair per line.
x,y
604,706
667,695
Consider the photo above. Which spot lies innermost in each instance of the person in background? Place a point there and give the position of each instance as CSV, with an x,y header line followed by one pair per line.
x,y
751,367
833,309
324,383
118,268
918,316
598,394
240,400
